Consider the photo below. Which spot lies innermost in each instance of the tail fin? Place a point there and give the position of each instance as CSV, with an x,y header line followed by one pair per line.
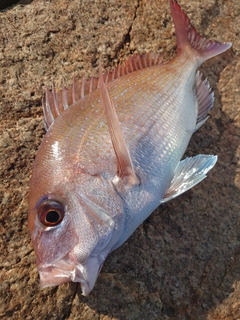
x,y
188,36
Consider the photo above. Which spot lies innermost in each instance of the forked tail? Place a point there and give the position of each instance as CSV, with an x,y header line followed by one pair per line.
x,y
187,36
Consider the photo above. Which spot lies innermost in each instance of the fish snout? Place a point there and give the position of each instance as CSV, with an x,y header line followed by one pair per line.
x,y
61,271
65,270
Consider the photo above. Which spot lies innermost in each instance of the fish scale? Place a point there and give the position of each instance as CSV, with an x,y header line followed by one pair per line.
x,y
113,153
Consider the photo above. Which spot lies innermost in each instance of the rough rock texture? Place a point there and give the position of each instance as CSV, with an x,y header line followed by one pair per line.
x,y
183,262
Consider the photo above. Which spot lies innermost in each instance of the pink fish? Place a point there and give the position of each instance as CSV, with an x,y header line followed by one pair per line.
x,y
112,154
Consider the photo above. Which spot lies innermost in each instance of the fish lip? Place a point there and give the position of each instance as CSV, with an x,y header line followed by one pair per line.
x,y
66,270
62,271
51,276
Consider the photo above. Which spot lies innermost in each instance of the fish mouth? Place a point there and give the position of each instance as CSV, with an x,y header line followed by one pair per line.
x,y
65,270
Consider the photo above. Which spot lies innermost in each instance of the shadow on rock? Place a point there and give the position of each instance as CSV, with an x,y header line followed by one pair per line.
x,y
7,3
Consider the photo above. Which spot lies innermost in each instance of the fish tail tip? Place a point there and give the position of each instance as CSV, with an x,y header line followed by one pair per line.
x,y
187,36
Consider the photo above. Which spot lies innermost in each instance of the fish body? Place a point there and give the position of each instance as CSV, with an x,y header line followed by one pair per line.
x,y
112,154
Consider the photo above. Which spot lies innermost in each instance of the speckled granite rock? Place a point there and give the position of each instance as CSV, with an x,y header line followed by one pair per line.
x,y
184,261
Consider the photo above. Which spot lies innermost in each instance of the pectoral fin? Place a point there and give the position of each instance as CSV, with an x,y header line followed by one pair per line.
x,y
125,168
188,173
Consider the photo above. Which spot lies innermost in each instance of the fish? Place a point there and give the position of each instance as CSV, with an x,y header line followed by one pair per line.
x,y
113,153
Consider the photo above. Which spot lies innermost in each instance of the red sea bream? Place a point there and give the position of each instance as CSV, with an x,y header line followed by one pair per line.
x,y
112,154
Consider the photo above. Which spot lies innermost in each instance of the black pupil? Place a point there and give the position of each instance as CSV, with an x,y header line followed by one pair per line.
x,y
52,216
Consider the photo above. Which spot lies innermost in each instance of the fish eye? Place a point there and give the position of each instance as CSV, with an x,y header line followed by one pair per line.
x,y
50,212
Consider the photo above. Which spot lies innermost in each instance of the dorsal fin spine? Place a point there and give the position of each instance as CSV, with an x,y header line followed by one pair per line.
x,y
74,90
140,63
45,115
64,97
48,115
82,87
106,77
90,84
56,102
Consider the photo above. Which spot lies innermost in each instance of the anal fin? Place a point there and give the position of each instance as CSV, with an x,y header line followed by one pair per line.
x,y
188,173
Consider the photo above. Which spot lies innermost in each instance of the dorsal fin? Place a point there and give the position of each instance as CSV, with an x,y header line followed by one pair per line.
x,y
56,102
124,162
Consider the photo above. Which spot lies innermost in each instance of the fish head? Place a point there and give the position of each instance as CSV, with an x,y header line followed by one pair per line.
x,y
73,228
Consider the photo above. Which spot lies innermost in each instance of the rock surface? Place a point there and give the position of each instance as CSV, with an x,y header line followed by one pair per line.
x,y
183,262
